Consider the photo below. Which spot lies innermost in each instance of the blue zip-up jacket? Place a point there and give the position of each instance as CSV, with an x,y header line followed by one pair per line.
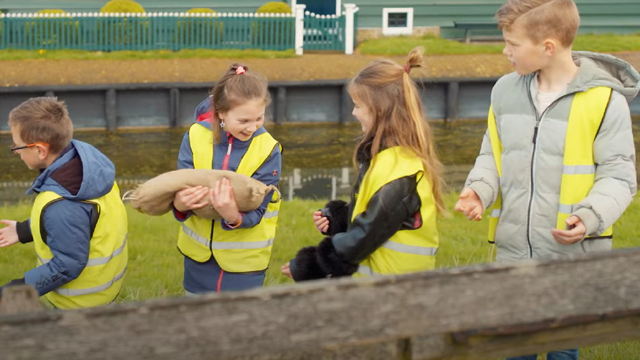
x,y
68,223
268,173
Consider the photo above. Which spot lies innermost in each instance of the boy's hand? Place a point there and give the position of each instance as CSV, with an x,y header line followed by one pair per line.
x,y
191,198
8,234
469,204
286,270
321,222
575,233
222,198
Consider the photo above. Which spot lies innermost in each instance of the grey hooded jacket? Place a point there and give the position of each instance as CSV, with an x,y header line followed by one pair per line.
x,y
532,161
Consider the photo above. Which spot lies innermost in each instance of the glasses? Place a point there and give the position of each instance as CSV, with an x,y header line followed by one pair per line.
x,y
15,149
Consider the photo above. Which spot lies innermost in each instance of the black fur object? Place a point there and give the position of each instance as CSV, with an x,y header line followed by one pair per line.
x,y
330,261
305,265
338,212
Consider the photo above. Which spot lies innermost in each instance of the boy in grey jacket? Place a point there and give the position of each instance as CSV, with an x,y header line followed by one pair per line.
x,y
558,160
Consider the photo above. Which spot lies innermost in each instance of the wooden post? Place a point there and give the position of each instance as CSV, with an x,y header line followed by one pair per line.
x,y
281,105
111,112
19,299
346,104
174,107
451,111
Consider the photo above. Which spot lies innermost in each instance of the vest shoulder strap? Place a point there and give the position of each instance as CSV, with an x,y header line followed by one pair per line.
x,y
259,151
54,198
201,142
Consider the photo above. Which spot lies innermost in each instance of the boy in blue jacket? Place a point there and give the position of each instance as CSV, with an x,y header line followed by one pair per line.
x,y
78,222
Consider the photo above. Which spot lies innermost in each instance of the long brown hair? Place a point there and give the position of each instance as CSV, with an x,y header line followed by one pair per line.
x,y
236,86
386,89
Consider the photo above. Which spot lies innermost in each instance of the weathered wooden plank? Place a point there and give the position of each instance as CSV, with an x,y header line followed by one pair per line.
x,y
515,301
544,338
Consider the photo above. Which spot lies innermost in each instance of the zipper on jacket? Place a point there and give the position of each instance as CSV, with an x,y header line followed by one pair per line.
x,y
532,182
533,157
225,163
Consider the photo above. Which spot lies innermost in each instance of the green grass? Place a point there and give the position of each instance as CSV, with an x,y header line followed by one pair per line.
x,y
607,43
437,46
11,54
398,45
155,266
401,45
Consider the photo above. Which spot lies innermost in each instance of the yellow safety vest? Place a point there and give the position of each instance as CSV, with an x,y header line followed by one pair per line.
x,y
241,250
407,250
101,280
579,170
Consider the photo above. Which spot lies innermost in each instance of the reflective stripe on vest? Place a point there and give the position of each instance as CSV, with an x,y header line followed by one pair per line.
x,y
364,270
93,290
496,148
100,260
102,277
410,249
228,245
578,176
407,250
239,250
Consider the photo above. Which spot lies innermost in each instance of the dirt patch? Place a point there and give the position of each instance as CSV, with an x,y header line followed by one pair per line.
x,y
305,68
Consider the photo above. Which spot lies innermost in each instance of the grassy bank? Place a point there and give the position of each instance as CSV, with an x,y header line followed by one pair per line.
x,y
155,266
12,54
390,46
387,46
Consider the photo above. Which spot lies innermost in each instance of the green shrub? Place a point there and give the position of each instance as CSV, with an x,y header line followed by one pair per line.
x,y
49,37
192,30
273,33
275,7
122,6
201,10
52,11
125,28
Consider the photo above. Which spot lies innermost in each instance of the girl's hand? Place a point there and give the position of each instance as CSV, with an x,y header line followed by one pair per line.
x,y
321,222
222,198
286,271
191,198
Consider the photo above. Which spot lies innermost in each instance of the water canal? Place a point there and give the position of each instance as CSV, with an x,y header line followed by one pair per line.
x,y
316,159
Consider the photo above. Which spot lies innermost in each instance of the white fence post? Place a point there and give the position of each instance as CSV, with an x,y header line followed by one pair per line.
x,y
299,10
349,31
344,180
334,183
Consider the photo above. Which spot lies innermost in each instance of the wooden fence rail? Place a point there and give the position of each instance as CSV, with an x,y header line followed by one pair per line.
x,y
478,312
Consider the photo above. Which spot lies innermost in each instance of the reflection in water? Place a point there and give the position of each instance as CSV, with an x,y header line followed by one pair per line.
x,y
316,159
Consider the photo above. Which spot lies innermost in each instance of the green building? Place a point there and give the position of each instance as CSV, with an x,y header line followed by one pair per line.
x,y
460,18
455,17
450,18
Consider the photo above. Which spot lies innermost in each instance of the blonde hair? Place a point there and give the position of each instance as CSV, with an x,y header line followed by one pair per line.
x,y
386,89
43,119
542,19
236,86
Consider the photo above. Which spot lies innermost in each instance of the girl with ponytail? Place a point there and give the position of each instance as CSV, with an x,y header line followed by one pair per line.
x,y
389,226
231,253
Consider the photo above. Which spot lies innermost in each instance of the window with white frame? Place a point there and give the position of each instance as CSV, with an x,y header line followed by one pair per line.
x,y
397,21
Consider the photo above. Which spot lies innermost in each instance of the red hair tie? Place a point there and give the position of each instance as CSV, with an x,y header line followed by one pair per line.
x,y
240,70
407,68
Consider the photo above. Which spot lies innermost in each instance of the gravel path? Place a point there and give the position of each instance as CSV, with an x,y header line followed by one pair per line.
x,y
308,67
